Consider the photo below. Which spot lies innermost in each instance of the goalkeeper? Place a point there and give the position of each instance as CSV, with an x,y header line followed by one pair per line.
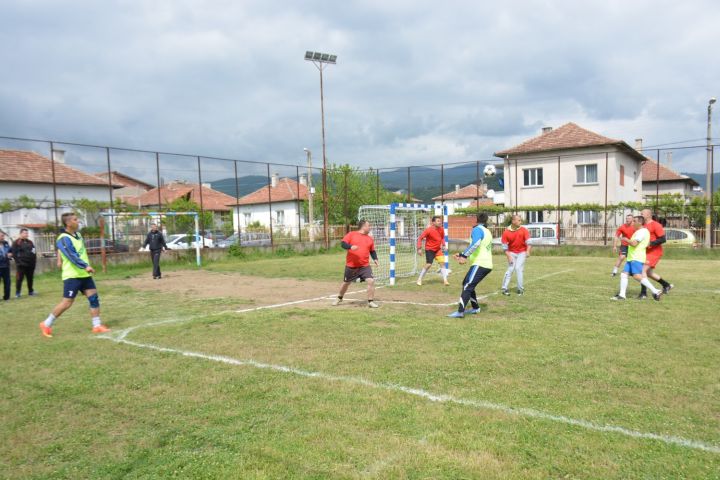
x,y
434,237
479,253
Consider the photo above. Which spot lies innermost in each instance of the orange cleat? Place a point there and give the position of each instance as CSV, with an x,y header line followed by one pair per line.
x,y
46,331
100,329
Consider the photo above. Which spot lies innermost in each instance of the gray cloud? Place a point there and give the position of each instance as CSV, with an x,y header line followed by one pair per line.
x,y
416,82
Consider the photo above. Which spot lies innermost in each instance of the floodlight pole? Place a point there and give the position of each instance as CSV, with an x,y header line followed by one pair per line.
x,y
708,178
321,61
311,212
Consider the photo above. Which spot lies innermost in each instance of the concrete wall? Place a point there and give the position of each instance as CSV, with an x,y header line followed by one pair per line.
x,y
261,213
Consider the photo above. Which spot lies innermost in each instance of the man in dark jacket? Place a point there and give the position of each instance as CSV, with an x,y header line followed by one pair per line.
x,y
156,242
23,250
5,256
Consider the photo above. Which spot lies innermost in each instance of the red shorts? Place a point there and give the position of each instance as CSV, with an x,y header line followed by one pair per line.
x,y
652,259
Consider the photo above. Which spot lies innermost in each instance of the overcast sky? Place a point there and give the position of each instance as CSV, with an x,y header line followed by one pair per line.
x,y
416,82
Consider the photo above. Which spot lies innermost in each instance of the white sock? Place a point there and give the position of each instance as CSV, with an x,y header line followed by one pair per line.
x,y
443,272
614,269
96,321
50,320
422,274
649,285
623,284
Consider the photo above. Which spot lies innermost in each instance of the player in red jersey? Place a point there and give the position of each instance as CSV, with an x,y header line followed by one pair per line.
x,y
654,252
434,237
360,247
625,230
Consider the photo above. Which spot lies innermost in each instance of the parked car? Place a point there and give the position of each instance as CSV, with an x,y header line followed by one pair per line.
x,y
94,246
181,241
680,237
540,234
250,239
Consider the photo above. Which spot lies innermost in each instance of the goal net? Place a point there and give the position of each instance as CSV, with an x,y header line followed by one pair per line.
x,y
395,230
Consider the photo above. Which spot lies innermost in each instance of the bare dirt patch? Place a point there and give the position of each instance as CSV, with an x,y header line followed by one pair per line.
x,y
229,289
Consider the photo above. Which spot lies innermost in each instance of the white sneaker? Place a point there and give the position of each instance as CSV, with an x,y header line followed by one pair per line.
x,y
337,302
419,283
373,304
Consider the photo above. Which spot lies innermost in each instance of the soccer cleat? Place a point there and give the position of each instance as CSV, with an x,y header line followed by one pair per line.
x,y
372,304
656,296
506,292
613,274
100,329
17,295
473,311
617,297
419,283
446,283
46,331
520,291
337,302
667,289
642,296
32,294
457,315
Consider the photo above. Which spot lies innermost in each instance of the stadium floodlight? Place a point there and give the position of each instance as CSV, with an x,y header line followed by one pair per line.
x,y
709,178
321,60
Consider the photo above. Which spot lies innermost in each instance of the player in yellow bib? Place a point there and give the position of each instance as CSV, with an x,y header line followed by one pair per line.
x,y
76,275
637,246
479,254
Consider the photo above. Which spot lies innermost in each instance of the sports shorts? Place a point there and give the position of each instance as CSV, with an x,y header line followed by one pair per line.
x,y
432,255
633,267
623,250
652,259
362,273
72,286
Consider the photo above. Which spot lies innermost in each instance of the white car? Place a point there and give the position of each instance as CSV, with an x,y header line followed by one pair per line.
x,y
181,241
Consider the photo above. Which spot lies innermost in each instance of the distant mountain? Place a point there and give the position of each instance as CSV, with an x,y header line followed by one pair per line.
x,y
700,178
425,182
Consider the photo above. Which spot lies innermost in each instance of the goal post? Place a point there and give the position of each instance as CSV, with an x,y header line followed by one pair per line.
x,y
395,230
159,215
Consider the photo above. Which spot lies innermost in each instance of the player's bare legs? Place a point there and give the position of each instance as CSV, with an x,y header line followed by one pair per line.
x,y
61,307
370,289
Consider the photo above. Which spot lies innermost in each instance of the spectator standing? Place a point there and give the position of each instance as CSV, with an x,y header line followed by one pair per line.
x,y
5,256
156,242
25,256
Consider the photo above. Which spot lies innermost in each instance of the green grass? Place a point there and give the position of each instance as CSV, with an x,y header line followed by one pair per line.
x,y
75,406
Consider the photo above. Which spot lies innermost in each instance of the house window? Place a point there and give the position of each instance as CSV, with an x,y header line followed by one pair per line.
x,y
248,218
533,177
280,217
588,217
586,173
622,175
534,217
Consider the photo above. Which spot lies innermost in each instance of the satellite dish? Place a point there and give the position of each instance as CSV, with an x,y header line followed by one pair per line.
x,y
490,194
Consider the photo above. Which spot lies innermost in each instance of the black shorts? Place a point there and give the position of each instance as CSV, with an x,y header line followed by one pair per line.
x,y
362,273
623,250
430,256
72,286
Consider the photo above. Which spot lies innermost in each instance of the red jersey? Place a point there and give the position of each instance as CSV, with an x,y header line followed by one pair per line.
x,y
626,231
434,238
360,257
516,240
656,230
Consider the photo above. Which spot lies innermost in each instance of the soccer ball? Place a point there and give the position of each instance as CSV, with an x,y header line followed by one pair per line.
x,y
489,171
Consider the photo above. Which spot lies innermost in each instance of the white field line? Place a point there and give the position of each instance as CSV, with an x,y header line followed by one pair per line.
x,y
120,337
434,397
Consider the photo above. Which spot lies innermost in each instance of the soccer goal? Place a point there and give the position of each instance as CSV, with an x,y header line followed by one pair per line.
x,y
155,216
395,230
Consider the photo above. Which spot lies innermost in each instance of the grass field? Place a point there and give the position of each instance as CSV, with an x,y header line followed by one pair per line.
x,y
197,381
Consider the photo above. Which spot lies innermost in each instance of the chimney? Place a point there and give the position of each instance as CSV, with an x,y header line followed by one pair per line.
x,y
274,180
669,160
457,188
58,156
303,179
546,130
638,144
206,185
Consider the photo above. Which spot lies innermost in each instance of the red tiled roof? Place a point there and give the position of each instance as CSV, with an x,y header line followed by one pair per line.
x,y
650,173
568,136
212,200
482,202
470,191
124,180
286,190
30,167
33,225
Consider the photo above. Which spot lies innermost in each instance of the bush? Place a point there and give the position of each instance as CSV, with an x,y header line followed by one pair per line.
x,y
236,251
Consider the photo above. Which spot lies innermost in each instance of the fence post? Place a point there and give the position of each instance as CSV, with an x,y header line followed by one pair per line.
x,y
237,206
270,223
477,185
54,186
606,200
559,220
377,186
202,211
657,180
110,188
442,184
157,170
408,187
297,176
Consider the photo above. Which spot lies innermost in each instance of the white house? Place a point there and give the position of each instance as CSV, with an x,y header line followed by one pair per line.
x,y
571,165
662,180
464,197
280,204
30,175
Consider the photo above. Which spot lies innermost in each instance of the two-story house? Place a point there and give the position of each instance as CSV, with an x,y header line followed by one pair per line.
x,y
571,165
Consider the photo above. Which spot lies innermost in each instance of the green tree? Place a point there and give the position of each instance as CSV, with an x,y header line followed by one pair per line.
x,y
348,189
186,223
